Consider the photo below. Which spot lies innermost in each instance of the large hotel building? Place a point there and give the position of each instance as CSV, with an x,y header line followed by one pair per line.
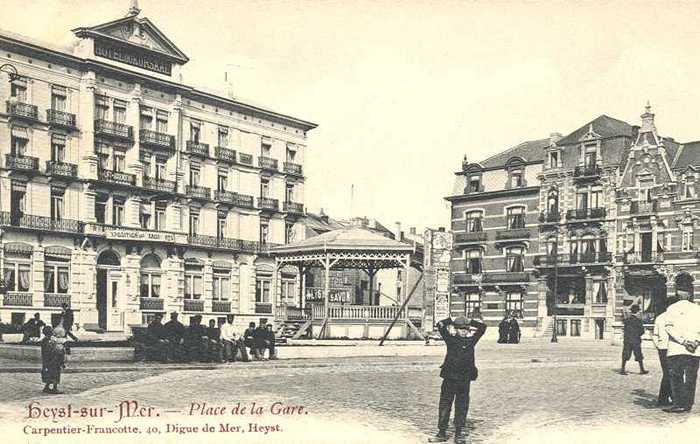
x,y
564,232
125,192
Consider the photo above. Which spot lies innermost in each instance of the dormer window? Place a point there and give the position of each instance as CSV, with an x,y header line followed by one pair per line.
x,y
554,159
690,190
516,179
474,184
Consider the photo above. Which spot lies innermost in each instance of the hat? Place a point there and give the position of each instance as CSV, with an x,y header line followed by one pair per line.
x,y
460,322
634,309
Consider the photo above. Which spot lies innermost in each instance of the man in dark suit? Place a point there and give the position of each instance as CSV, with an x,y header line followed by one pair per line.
x,y
458,370
632,332
175,332
32,329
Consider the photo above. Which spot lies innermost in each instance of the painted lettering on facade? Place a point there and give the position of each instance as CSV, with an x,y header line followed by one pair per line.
x,y
133,58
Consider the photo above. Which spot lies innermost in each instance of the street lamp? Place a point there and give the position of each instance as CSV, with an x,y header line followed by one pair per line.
x,y
556,284
11,71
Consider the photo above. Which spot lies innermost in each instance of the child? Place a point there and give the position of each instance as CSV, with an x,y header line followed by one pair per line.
x,y
52,358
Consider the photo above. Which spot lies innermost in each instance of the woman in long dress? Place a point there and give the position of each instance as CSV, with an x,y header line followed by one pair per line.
x,y
52,358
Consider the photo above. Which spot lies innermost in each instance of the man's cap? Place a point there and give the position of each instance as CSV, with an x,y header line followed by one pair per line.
x,y
634,309
460,322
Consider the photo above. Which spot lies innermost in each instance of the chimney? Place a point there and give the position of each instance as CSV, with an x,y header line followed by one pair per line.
x,y
412,231
229,86
397,232
134,9
401,236
441,229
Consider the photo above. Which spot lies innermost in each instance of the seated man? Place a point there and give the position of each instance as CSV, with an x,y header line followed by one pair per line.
x,y
196,340
32,329
214,349
157,344
175,333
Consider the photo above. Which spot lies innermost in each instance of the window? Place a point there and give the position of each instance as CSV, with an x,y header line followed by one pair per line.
x,y
103,160
551,247
264,187
262,291
146,120
288,290
596,200
194,222
18,90
56,276
291,154
58,147
119,162
223,136
160,169
514,259
195,131
600,292
589,159
221,226
687,238
120,111
118,212
58,98
161,121
582,201
17,201
474,185
472,304
150,276
553,202
553,159
19,141
515,218
690,191
575,327
57,203
160,217
194,175
516,179
514,304
289,193
474,262
222,181
222,285
265,149
473,222
264,232
17,275
145,217
561,327
101,208
288,233
101,111
193,281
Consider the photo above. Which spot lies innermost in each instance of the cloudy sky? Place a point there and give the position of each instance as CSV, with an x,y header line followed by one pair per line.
x,y
402,90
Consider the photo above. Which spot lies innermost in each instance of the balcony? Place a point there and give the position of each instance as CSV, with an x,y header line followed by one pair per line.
x,y
267,203
25,164
151,304
56,299
518,233
18,299
214,242
61,169
245,159
479,236
197,192
293,168
114,130
550,217
23,111
643,258
586,214
506,277
263,308
157,184
267,163
644,207
197,148
225,155
155,139
545,260
224,196
243,201
221,306
587,171
294,208
61,119
40,223
116,177
193,305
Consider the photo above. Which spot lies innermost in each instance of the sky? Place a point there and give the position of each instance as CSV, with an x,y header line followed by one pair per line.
x,y
401,91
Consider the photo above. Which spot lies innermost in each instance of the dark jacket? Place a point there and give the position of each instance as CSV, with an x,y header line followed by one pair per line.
x,y
459,361
68,319
32,328
248,337
175,330
214,333
156,331
633,330
513,332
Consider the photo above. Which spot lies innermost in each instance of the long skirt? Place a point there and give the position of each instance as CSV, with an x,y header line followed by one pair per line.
x,y
51,368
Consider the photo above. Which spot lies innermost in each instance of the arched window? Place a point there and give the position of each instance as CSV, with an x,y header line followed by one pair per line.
x,y
150,276
474,221
514,259
109,257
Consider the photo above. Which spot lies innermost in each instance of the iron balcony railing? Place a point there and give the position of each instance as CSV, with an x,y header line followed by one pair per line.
x,y
55,168
550,217
155,139
158,184
154,304
263,308
61,119
519,233
56,299
643,207
586,213
214,242
116,177
198,148
292,168
267,203
21,163
587,171
243,200
220,306
22,110
643,257
267,163
478,236
16,298
225,196
294,207
225,154
114,129
40,222
545,260
245,159
197,192
193,305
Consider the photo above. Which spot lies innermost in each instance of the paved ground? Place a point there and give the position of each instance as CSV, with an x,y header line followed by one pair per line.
x,y
532,392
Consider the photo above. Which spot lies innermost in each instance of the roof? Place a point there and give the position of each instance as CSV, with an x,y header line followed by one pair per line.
x,y
319,223
604,126
688,154
530,151
348,238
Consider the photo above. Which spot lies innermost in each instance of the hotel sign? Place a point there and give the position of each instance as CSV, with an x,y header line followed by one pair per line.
x,y
135,234
133,57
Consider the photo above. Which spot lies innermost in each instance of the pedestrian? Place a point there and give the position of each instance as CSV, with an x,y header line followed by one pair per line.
x,y
68,320
259,338
249,338
458,371
52,358
214,348
175,333
683,328
32,329
229,339
503,327
632,332
660,339
270,342
513,330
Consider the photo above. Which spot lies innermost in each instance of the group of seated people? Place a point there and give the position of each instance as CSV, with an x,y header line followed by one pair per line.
x,y
173,342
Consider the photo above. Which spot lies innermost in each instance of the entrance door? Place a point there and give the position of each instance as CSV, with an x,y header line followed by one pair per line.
x,y
102,299
646,247
599,328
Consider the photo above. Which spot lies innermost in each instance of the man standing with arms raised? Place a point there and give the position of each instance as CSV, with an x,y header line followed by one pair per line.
x,y
683,328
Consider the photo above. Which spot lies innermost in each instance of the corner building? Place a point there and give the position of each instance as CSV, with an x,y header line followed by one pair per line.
x,y
610,219
125,192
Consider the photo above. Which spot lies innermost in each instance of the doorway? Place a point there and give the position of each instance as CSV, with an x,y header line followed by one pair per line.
x,y
102,298
646,247
599,328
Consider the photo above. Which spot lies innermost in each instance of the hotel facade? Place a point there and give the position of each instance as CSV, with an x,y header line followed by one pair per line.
x,y
567,231
125,192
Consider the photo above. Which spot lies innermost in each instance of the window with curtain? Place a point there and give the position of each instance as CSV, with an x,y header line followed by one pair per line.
x,y
515,218
18,90
195,131
600,292
223,136
222,285
473,222
56,277
118,212
150,276
57,204
514,303
596,200
161,121
262,290
514,259
58,147
120,111
581,201
146,118
17,275
472,304
18,142
474,261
